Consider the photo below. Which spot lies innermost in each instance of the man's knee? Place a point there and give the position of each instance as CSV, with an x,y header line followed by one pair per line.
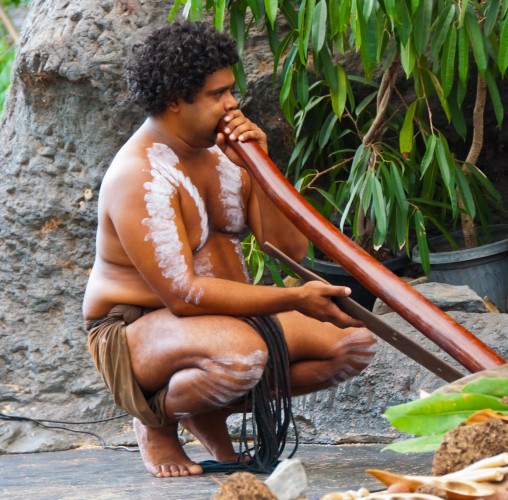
x,y
232,375
352,354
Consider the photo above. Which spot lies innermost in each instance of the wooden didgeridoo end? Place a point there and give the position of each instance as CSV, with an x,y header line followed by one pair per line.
x,y
426,317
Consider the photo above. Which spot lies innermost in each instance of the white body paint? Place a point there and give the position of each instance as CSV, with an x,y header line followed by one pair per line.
x,y
238,249
231,378
161,220
356,351
230,178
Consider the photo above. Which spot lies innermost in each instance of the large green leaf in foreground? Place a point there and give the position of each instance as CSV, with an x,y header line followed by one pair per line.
x,y
439,413
422,444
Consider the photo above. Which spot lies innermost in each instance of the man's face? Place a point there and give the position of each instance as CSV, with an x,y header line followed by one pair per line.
x,y
210,104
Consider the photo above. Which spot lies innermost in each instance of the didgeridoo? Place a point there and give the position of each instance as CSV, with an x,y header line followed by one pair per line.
x,y
426,317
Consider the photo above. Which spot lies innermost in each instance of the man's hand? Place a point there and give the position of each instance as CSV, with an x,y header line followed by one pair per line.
x,y
240,128
316,301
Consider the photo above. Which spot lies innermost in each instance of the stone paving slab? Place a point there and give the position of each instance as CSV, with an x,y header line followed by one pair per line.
x,y
90,474
106,474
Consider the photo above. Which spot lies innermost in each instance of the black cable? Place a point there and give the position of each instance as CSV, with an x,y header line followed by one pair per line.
x,y
40,423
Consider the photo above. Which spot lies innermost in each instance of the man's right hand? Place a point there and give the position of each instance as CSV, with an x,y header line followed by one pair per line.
x,y
316,301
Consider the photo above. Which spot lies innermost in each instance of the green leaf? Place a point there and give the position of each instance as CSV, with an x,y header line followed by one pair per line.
x,y
463,60
403,21
448,61
302,85
491,13
326,131
421,25
465,193
305,17
286,42
441,30
271,7
219,12
240,78
369,42
462,11
237,25
379,208
339,97
174,10
429,154
484,181
407,130
329,70
477,42
497,103
421,239
439,413
422,444
440,94
502,59
319,30
407,57
490,386
458,119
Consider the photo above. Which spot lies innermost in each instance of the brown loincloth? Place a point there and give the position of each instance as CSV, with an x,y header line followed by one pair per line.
x,y
108,346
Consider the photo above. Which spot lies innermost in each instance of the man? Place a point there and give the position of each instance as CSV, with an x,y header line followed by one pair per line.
x,y
173,320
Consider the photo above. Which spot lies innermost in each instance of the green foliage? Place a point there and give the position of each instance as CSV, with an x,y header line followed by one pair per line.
x,y
436,414
365,156
6,60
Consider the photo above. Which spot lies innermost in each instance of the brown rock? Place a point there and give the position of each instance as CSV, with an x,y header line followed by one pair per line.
x,y
467,444
244,486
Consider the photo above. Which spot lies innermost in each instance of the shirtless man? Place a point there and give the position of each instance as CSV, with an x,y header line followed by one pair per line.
x,y
169,287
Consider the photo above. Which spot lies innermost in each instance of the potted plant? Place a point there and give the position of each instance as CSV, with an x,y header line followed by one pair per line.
x,y
374,90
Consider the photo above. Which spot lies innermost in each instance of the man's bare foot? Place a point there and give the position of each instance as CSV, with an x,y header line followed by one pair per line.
x,y
211,430
162,452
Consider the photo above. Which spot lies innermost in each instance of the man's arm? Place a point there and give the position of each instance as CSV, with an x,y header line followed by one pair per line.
x,y
265,219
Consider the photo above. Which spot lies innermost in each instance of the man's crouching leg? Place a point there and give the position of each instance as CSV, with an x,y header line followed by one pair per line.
x,y
194,379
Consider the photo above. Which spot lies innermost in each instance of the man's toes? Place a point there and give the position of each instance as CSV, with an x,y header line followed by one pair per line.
x,y
194,469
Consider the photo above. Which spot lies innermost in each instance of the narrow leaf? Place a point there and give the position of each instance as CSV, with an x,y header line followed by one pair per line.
x,y
339,98
407,57
463,60
448,61
319,30
495,97
502,60
407,130
491,13
477,42
465,193
379,208
271,10
429,154
421,25
421,239
441,30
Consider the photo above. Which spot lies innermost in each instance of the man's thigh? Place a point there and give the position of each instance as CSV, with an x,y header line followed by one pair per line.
x,y
162,344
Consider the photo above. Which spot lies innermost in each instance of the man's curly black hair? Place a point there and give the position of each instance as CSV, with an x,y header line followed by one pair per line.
x,y
173,62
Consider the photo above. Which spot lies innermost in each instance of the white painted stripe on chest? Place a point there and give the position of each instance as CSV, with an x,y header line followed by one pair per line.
x,y
165,160
230,178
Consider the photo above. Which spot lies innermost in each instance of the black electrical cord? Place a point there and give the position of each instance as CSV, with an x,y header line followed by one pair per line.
x,y
43,423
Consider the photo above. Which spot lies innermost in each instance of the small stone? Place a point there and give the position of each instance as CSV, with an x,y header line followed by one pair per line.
x,y
288,481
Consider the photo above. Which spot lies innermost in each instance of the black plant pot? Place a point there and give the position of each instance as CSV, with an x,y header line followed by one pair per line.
x,y
484,268
337,275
